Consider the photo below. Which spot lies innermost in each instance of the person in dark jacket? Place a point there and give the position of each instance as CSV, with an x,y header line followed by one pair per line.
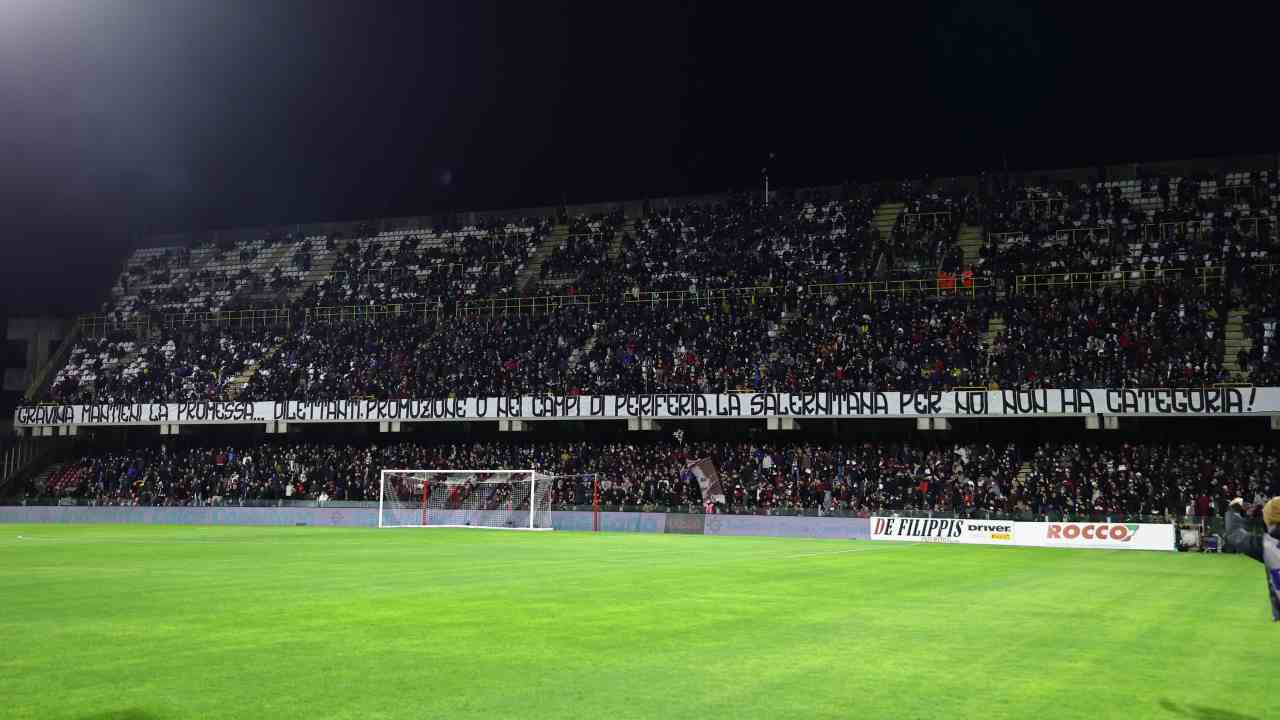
x,y
1265,548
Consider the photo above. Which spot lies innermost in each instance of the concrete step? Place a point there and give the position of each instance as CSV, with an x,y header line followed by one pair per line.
x,y
322,262
615,247
970,241
533,269
238,381
1233,342
1021,478
994,328
886,217
42,480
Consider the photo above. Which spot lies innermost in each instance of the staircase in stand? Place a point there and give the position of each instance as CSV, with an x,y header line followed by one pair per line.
x,y
994,327
884,220
1020,479
238,381
970,242
615,248
1233,342
275,256
41,481
322,263
533,269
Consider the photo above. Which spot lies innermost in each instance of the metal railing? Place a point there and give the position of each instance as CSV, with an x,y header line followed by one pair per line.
x,y
250,318
700,297
1237,192
1265,269
533,305
918,218
1094,233
16,457
401,273
1193,229
1205,277
1261,227
96,326
1041,207
957,286
368,313
996,238
27,455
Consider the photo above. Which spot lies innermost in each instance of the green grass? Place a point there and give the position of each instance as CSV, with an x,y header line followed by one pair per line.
x,y
149,622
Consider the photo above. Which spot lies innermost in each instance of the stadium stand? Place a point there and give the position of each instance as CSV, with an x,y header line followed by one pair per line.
x,y
1060,479
792,339
1153,279
393,267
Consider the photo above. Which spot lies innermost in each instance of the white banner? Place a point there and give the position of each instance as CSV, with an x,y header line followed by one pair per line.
x,y
1109,536
870,405
943,530
1106,536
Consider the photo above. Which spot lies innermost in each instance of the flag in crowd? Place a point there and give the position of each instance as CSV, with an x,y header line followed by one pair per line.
x,y
704,471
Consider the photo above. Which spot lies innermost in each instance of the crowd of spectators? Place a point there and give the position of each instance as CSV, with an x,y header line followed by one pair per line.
x,y
406,357
667,321
582,260
1260,302
178,366
923,239
740,242
1150,478
1152,336
768,342
1150,224
426,266
855,477
783,340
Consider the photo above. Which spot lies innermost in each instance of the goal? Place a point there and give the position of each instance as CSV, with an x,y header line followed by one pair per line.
x,y
505,499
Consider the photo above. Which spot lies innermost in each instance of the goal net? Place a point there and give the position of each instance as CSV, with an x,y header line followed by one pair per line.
x,y
511,499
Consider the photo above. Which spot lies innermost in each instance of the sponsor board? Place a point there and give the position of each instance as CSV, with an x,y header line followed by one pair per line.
x,y
943,530
1099,535
686,524
1111,536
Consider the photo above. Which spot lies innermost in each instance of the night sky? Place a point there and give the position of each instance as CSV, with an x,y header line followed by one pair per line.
x,y
120,119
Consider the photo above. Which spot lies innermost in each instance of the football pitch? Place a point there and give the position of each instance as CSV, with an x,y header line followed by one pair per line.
x,y
151,622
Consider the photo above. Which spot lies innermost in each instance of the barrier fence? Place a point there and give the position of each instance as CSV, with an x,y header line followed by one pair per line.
x,y
943,285
1083,535
1205,277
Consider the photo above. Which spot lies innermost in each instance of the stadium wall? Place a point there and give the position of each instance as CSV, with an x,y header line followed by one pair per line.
x,y
816,527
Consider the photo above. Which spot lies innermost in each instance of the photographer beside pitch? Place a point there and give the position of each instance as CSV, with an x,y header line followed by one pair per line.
x,y
1265,548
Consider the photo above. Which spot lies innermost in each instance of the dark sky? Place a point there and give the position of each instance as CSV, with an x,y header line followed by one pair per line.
x,y
120,118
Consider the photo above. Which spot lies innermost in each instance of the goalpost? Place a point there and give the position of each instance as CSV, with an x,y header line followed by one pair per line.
x,y
500,499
